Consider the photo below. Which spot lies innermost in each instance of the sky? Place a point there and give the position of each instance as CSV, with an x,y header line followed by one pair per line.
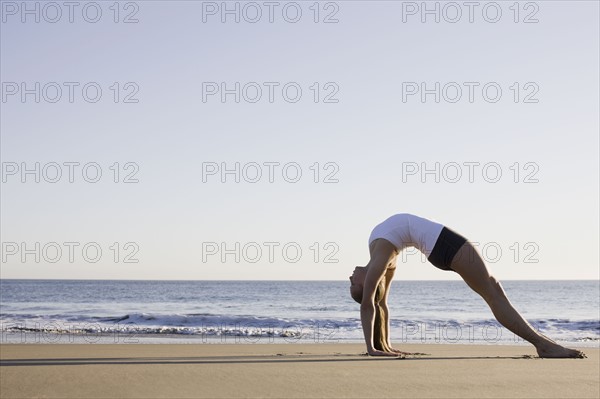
x,y
263,141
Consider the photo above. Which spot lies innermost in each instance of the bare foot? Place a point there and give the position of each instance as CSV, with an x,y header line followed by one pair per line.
x,y
554,350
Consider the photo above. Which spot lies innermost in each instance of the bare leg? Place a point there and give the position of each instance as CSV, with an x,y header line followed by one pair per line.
x,y
469,265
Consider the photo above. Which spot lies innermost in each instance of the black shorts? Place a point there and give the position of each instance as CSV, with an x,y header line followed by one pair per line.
x,y
446,246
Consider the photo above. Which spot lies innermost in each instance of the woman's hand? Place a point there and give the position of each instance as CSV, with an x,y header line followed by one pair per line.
x,y
402,353
375,352
399,352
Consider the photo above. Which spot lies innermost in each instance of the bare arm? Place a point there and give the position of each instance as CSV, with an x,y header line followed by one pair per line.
x,y
367,317
389,275
380,258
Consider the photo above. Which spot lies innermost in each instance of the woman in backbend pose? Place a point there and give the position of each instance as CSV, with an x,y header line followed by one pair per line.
x,y
447,250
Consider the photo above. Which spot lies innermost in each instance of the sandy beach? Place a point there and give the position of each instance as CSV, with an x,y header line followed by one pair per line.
x,y
290,371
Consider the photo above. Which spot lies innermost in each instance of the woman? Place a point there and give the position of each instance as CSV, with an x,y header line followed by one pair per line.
x,y
447,250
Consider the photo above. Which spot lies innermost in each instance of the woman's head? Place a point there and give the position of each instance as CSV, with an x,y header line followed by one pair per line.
x,y
357,281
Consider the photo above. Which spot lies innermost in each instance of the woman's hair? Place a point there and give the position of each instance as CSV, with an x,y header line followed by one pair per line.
x,y
357,294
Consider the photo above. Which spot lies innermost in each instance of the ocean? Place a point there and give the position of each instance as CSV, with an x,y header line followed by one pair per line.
x,y
445,312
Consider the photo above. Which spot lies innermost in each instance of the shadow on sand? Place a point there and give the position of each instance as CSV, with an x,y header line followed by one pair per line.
x,y
238,359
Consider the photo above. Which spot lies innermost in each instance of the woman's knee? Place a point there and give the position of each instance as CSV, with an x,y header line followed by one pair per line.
x,y
494,291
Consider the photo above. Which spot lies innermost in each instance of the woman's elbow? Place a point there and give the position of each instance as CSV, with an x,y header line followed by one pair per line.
x,y
367,306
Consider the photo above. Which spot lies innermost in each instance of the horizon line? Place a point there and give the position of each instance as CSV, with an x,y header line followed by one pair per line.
x,y
110,279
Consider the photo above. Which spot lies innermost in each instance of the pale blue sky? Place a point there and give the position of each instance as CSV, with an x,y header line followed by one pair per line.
x,y
370,133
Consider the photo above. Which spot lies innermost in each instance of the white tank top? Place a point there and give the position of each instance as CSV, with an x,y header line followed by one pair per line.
x,y
406,230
